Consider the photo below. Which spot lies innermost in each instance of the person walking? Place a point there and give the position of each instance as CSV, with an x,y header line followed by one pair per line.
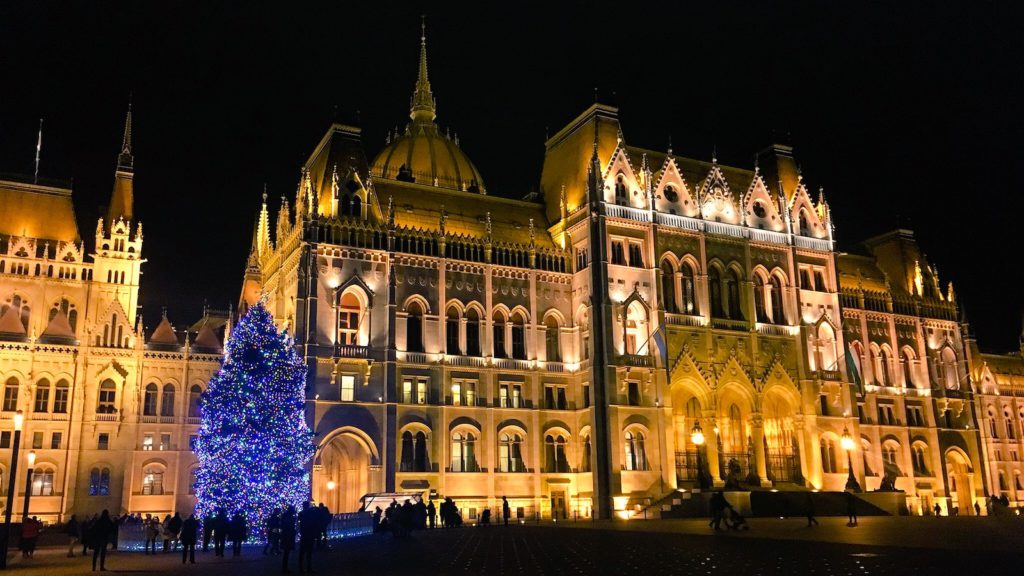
x,y
86,531
29,536
287,536
102,531
73,532
220,532
238,531
308,533
272,527
506,510
431,514
851,509
152,530
811,520
188,538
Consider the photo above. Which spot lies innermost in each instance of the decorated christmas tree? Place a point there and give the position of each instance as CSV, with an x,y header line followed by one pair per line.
x,y
254,444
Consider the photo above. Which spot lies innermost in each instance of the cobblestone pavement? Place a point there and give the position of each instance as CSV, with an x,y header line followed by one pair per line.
x,y
551,550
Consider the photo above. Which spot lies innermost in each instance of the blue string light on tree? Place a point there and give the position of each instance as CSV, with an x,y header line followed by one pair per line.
x,y
254,443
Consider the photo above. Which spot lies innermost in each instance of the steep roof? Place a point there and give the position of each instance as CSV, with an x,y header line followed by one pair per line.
x,y
164,334
37,211
10,322
59,328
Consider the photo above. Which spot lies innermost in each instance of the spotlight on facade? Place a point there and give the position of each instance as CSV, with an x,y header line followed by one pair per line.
x,y
331,485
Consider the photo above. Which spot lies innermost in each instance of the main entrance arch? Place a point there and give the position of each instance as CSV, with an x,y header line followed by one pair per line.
x,y
961,483
344,470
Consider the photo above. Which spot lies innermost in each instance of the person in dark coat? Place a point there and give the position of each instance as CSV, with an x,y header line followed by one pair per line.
x,y
86,529
309,531
287,536
272,527
102,531
174,528
506,510
324,516
188,539
811,520
207,532
851,509
238,531
73,531
432,515
220,532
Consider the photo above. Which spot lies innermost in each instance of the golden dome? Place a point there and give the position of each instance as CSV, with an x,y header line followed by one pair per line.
x,y
422,154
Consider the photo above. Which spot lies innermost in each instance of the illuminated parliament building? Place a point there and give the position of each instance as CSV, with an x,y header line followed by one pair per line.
x,y
644,327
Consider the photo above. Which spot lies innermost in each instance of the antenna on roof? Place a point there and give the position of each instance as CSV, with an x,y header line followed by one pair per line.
x,y
39,148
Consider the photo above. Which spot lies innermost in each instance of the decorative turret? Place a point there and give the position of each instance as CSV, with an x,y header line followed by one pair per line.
x,y
424,108
263,244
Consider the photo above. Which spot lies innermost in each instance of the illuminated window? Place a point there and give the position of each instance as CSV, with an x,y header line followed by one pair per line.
x,y
828,456
149,400
106,399
42,396
11,395
348,388
147,442
463,450
554,454
153,481
510,455
348,320
636,453
42,482
456,394
60,397
99,482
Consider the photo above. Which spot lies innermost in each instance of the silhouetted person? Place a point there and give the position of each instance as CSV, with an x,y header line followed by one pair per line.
x,y
506,510
938,509
188,538
851,508
152,531
207,531
238,532
485,518
432,515
718,505
273,533
74,532
30,528
377,526
811,520
977,509
175,529
220,532
309,530
287,536
102,532
324,522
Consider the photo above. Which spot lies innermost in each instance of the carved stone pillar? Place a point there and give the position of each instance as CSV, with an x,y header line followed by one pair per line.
x,y
757,436
711,446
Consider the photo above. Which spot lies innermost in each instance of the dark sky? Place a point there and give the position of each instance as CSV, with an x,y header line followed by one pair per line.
x,y
906,113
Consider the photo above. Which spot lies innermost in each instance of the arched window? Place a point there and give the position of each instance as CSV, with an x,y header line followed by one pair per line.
x,y
803,224
149,400
733,427
992,426
408,456
828,456
421,461
554,454
11,395
194,394
636,453
451,332
906,360
890,458
621,194
760,308
778,312
167,401
668,287
857,352
949,369
99,482
348,320
153,481
66,307
60,397
472,332
919,453
42,481
827,357
1010,434
42,403
510,453
1003,487
688,299
498,322
552,339
518,336
463,451
414,328
106,400
732,289
885,366
635,337
715,290
585,460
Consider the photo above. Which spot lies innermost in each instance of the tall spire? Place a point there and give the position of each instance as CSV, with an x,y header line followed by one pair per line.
x,y
423,109
125,160
122,200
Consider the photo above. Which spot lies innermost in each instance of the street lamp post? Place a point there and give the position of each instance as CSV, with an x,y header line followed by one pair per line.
x,y
31,458
5,537
697,437
848,445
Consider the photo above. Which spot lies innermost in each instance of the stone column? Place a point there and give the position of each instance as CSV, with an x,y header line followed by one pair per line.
x,y
711,446
805,460
757,436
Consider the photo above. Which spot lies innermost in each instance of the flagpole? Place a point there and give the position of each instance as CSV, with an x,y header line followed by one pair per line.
x,y
39,148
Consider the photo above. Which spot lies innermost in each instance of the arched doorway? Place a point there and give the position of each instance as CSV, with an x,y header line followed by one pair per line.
x,y
781,447
341,471
960,482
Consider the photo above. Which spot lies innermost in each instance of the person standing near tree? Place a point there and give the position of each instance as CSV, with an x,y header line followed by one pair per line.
x,y
220,532
273,533
287,536
174,527
238,532
309,531
188,538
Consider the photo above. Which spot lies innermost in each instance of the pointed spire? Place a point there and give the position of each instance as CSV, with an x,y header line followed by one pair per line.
x,y
669,144
423,110
125,161
263,227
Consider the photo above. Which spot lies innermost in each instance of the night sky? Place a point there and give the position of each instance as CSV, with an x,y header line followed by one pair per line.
x,y
907,114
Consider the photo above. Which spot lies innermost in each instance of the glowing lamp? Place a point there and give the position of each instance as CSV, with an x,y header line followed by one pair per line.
x,y
19,420
697,435
31,457
331,485
846,441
